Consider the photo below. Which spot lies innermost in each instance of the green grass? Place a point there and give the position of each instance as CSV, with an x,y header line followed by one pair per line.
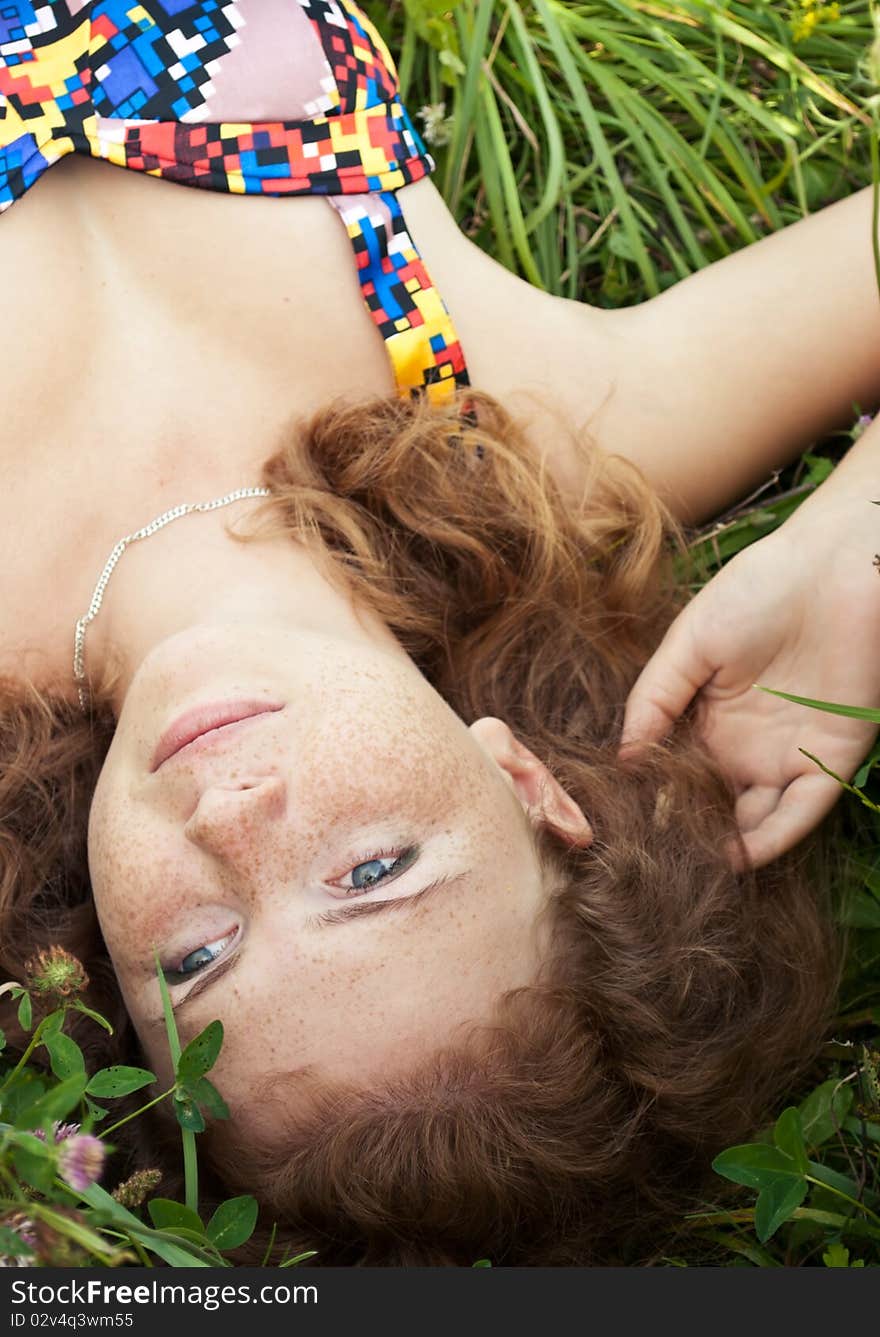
x,y
605,151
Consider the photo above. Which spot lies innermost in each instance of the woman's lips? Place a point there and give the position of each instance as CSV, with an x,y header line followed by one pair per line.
x,y
202,720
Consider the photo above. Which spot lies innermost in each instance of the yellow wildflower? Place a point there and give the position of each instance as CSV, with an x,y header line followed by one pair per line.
x,y
810,15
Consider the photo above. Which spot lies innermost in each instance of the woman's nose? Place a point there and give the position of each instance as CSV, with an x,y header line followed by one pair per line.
x,y
232,819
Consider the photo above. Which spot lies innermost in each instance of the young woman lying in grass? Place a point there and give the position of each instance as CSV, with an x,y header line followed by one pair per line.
x,y
593,967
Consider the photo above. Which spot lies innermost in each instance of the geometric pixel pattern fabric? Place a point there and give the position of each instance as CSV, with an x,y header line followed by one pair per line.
x,y
401,299
272,97
360,62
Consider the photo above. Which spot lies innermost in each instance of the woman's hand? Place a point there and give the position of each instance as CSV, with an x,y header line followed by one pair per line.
x,y
799,611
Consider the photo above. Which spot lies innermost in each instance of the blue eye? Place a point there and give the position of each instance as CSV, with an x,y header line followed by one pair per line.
x,y
202,957
195,961
368,874
379,869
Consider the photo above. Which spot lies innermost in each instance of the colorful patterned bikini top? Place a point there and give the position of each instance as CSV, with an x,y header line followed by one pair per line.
x,y
265,97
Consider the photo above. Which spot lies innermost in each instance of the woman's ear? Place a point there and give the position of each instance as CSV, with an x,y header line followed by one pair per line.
x,y
541,795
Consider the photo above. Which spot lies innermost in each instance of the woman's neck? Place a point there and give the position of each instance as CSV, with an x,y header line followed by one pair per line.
x,y
194,572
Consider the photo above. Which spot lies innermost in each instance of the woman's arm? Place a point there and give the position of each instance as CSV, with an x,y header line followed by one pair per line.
x,y
735,370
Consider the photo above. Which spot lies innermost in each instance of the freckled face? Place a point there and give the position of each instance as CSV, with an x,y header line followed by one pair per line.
x,y
254,864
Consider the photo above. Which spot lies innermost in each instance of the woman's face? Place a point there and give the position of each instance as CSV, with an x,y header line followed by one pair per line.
x,y
344,879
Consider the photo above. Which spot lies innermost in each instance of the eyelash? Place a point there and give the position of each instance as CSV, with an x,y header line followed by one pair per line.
x,y
174,977
402,861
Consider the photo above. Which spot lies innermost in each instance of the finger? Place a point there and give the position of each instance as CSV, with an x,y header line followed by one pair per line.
x,y
665,687
755,803
801,807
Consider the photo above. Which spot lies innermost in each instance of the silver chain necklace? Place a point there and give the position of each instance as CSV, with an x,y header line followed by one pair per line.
x,y
79,669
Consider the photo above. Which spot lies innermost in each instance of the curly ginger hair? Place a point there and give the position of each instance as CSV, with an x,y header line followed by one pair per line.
x,y
678,999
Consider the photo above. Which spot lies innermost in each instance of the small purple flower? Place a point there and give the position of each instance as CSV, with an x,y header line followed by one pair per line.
x,y
862,424
65,1130
60,1132
26,1229
81,1160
